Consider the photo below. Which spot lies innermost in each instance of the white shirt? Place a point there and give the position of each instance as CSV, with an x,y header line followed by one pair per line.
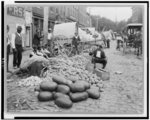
x,y
32,53
42,51
46,51
76,37
98,54
39,53
8,38
13,40
49,37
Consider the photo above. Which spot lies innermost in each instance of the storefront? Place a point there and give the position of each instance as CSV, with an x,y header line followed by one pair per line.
x,y
38,20
18,16
51,20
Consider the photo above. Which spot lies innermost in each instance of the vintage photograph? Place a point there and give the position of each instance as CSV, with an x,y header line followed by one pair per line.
x,y
75,58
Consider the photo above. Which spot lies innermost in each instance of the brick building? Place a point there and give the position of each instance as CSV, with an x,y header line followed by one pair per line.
x,y
70,13
32,18
137,14
38,18
19,15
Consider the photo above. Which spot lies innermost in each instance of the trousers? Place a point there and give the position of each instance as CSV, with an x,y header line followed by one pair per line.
x,y
17,56
8,52
108,44
76,50
102,61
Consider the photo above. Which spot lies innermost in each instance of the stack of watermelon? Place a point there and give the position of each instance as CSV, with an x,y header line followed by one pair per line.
x,y
65,92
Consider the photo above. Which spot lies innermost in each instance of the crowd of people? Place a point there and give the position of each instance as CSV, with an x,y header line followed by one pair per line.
x,y
47,50
15,42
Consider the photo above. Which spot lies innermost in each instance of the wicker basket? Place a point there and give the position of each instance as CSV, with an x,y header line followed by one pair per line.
x,y
104,75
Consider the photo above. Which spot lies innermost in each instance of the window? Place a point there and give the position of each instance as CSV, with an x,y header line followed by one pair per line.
x,y
39,7
64,13
52,9
72,11
57,10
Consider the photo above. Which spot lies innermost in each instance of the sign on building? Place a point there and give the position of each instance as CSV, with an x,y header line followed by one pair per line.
x,y
15,11
28,17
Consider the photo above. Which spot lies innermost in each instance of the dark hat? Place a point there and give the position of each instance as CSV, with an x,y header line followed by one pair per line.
x,y
7,26
34,47
39,47
19,27
100,46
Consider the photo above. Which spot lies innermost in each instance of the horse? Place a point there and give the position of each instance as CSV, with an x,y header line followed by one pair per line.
x,y
120,42
138,43
133,41
107,35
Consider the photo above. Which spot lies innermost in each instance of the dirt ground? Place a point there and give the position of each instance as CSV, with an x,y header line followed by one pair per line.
x,y
122,94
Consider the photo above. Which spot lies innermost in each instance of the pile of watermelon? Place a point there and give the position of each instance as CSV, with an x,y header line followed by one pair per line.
x,y
65,92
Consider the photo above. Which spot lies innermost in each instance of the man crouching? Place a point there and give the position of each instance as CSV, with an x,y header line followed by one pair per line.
x,y
99,57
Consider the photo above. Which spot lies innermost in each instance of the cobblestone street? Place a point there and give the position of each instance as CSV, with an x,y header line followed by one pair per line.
x,y
77,59
122,94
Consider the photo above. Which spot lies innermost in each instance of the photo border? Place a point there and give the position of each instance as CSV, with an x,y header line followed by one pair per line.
x,y
76,117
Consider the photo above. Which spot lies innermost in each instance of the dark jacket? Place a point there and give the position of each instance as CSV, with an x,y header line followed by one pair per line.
x,y
36,39
95,52
76,41
18,40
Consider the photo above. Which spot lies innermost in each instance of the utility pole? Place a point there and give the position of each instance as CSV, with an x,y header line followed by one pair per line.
x,y
90,17
96,29
46,16
97,23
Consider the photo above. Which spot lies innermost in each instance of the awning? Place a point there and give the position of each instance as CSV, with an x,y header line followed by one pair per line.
x,y
65,29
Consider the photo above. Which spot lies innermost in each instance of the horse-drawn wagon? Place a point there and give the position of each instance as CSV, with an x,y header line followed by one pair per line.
x,y
132,35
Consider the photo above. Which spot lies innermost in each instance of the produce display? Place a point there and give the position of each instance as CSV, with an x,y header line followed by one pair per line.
x,y
45,96
79,96
48,86
63,102
63,89
77,87
33,59
66,81
30,81
93,92
64,95
58,94
73,69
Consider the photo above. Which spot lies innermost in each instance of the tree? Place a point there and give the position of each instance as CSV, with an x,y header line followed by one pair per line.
x,y
120,26
107,24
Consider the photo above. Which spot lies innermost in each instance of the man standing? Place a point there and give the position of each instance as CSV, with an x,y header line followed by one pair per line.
x,y
17,46
8,47
104,39
138,41
36,39
75,42
99,57
49,39
108,42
